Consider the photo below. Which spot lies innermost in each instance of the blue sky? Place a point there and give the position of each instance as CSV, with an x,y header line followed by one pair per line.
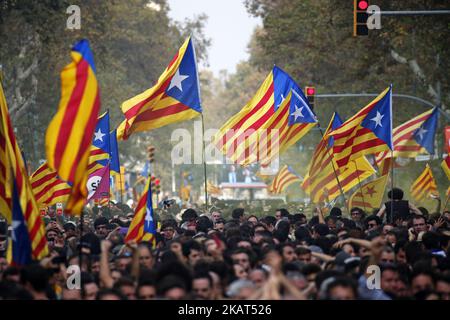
x,y
229,27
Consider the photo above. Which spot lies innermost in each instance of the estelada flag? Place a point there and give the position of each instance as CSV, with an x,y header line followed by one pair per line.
x,y
370,195
174,98
368,131
424,186
69,136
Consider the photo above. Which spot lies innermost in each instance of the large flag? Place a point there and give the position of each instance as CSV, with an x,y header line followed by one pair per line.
x,y
424,186
273,120
143,226
445,164
17,202
368,131
411,138
370,195
69,135
48,188
324,178
175,97
284,178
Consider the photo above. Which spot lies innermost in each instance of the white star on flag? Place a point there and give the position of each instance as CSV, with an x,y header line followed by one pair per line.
x,y
15,225
99,135
377,119
297,113
148,218
421,132
282,100
177,79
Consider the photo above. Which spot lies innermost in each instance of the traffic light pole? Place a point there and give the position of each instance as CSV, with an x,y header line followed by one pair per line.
x,y
204,164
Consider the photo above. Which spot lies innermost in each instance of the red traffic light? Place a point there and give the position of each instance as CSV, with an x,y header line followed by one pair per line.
x,y
362,5
157,182
310,91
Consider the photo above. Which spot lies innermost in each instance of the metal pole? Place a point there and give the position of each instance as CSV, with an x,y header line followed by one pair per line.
x,y
204,164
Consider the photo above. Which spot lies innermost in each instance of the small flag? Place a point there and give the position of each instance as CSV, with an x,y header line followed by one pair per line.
x,y
143,225
284,178
424,186
370,195
445,164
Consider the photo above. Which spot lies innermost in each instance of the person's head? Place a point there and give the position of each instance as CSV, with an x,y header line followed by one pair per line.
x,y
109,294
387,255
373,222
422,281
303,255
70,294
335,212
172,287
70,229
238,214
168,230
287,251
219,225
281,213
443,287
357,214
100,226
241,289
258,276
419,224
320,230
253,220
395,194
216,215
126,287
34,278
89,288
390,278
146,291
192,251
202,286
342,289
146,259
241,256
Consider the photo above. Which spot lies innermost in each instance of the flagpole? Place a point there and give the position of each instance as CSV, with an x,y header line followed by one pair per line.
x,y
332,164
446,202
120,186
204,163
360,186
392,188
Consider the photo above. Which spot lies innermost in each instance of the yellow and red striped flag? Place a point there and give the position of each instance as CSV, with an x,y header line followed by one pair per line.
x,y
69,136
324,178
424,186
368,131
143,225
48,188
17,202
174,98
272,121
405,145
213,189
445,164
284,178
370,195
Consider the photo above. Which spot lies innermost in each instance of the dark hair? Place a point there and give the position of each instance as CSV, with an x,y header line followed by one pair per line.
x,y
105,292
100,221
237,213
395,194
170,281
203,275
335,212
431,240
375,218
342,281
322,229
283,212
190,245
189,214
36,275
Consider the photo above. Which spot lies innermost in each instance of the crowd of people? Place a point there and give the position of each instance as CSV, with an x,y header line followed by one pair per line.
x,y
397,252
